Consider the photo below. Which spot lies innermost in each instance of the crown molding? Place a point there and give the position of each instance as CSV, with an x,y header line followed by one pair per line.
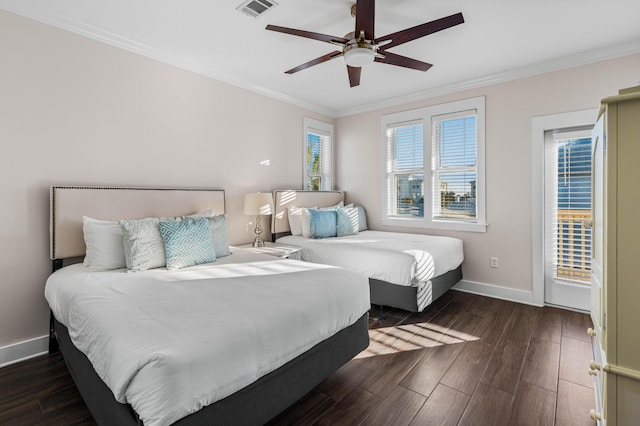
x,y
32,11
570,61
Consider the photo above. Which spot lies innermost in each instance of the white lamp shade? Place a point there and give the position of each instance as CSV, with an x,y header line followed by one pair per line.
x,y
258,203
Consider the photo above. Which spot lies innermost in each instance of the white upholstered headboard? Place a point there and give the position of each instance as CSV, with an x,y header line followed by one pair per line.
x,y
283,199
69,203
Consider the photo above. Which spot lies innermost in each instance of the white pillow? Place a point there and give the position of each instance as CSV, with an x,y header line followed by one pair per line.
x,y
103,240
295,214
305,222
295,219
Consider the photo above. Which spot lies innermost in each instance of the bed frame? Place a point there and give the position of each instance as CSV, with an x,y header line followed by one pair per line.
x,y
254,404
382,293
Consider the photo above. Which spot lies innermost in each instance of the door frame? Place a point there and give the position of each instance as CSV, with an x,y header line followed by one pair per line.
x,y
541,125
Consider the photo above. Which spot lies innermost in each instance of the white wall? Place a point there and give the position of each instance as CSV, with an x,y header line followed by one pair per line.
x,y
74,111
510,108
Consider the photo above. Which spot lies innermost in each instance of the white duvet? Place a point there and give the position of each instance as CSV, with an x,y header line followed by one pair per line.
x,y
172,342
398,258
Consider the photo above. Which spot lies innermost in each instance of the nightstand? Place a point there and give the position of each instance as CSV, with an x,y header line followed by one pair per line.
x,y
274,249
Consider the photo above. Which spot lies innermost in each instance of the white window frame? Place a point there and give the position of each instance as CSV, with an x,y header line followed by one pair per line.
x,y
321,128
424,116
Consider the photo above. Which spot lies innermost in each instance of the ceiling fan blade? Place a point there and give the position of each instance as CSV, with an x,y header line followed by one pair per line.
x,y
365,18
354,75
321,59
402,61
308,34
418,31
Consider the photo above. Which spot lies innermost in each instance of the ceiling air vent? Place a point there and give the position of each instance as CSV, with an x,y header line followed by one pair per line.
x,y
256,8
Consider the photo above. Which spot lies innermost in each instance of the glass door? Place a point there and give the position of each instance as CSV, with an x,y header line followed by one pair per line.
x,y
568,164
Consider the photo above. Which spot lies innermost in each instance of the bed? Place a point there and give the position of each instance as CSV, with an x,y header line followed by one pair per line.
x,y
235,341
406,271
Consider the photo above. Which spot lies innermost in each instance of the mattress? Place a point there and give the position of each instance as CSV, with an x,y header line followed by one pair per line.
x,y
171,342
397,258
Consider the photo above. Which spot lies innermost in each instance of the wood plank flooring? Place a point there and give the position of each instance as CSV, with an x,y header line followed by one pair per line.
x,y
465,360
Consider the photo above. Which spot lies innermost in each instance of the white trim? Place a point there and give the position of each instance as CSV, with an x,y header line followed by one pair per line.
x,y
311,125
445,225
424,116
24,350
32,11
539,126
497,292
557,64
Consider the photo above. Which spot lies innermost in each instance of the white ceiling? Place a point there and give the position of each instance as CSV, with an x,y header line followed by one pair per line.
x,y
500,40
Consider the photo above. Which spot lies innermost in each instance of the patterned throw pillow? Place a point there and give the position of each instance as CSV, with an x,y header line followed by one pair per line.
x,y
362,219
347,221
187,243
143,246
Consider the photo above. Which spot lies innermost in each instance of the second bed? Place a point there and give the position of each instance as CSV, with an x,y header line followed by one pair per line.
x,y
407,271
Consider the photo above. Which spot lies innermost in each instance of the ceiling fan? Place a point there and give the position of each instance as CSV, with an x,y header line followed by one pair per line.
x,y
361,47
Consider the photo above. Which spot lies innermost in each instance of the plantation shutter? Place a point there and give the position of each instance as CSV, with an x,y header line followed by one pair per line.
x,y
454,166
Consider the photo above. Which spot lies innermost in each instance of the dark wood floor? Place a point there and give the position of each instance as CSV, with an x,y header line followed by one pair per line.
x,y
465,360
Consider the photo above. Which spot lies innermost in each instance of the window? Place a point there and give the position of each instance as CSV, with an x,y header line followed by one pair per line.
x,y
405,151
317,157
455,167
449,192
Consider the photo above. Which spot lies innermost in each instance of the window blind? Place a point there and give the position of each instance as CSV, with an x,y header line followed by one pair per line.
x,y
318,163
572,208
454,166
405,171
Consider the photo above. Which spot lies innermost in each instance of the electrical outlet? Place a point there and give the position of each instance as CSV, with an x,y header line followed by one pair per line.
x,y
494,262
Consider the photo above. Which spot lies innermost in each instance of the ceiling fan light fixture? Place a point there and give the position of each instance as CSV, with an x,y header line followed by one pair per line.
x,y
361,47
359,55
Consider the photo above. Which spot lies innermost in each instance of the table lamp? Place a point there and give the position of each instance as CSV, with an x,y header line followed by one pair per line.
x,y
258,204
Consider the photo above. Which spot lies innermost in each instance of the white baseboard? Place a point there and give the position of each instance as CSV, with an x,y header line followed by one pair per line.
x,y
497,292
24,350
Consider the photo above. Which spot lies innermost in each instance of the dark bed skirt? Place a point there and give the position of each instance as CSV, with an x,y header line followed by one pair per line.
x,y
252,405
406,297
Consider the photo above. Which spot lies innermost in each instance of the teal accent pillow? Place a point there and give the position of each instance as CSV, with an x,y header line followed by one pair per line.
x,y
362,219
347,221
323,223
187,243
